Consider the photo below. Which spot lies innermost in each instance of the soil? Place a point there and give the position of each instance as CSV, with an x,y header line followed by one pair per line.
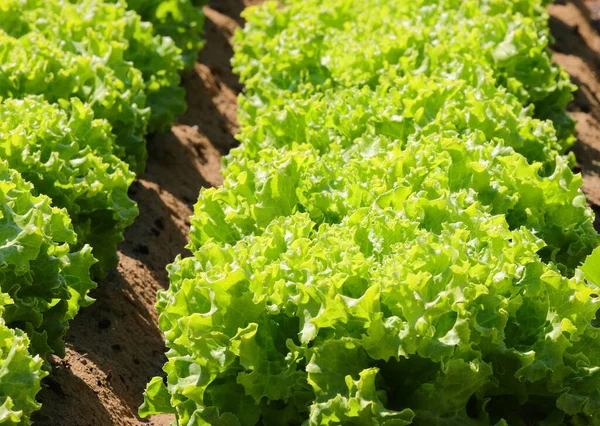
x,y
114,346
575,26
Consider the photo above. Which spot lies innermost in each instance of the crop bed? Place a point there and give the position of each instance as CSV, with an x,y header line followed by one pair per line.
x,y
114,346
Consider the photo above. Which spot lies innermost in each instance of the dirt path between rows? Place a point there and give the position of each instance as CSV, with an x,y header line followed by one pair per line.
x,y
115,347
575,26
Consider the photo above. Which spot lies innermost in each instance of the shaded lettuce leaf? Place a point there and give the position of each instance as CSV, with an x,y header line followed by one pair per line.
x,y
66,155
46,281
591,267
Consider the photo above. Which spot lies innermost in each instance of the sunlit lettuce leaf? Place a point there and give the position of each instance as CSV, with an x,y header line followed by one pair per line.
x,y
66,155
46,280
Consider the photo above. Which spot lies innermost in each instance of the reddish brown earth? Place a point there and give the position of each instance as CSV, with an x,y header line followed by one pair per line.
x,y
115,347
575,26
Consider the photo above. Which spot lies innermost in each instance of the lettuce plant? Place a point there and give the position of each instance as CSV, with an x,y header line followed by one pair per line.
x,y
331,187
46,280
312,45
35,64
66,155
385,318
411,106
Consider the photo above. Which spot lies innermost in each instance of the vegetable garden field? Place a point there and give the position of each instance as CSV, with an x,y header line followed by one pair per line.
x,y
304,213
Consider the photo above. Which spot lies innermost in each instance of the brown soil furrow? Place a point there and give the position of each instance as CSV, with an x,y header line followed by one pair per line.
x,y
575,26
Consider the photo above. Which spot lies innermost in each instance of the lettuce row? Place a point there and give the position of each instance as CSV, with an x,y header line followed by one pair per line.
x,y
96,61
66,155
94,28
47,281
397,241
80,86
